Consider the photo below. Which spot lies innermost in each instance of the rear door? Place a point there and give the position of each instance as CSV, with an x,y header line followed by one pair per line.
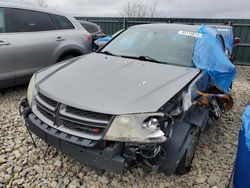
x,y
7,67
33,40
73,37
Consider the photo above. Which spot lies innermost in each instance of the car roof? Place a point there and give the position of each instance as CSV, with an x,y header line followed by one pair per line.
x,y
206,24
39,9
29,7
230,28
168,26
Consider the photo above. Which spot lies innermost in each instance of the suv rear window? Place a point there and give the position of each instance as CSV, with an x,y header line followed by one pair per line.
x,y
30,21
2,27
90,28
62,22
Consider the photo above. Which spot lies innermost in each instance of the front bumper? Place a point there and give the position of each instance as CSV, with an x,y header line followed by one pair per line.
x,y
82,150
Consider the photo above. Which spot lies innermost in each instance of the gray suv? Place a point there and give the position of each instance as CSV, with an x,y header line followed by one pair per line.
x,y
31,39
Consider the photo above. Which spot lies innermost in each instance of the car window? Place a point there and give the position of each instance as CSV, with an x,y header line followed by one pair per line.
x,y
30,21
90,28
2,26
221,42
165,45
62,22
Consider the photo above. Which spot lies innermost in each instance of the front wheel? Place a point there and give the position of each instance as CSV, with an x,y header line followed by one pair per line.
x,y
184,165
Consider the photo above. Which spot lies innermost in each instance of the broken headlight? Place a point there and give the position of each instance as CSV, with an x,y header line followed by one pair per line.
x,y
31,89
141,128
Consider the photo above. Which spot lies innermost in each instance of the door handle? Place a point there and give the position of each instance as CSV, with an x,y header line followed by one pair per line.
x,y
60,39
2,43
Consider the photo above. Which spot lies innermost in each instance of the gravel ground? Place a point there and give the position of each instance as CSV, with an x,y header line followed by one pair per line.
x,y
23,165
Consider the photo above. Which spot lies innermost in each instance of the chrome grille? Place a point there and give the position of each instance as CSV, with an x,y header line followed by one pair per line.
x,y
83,127
88,114
45,113
88,124
47,100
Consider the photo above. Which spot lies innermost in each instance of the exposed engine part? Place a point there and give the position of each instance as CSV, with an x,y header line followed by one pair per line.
x,y
187,100
178,110
149,151
149,155
143,150
220,102
187,97
130,153
225,103
216,111
168,128
136,153
206,96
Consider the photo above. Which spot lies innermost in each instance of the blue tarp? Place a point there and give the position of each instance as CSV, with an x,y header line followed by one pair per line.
x,y
104,39
246,126
241,178
209,56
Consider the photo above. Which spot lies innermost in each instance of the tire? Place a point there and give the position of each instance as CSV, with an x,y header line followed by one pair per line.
x,y
184,165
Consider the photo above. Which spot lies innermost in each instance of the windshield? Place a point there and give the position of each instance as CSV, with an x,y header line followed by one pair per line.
x,y
116,33
164,45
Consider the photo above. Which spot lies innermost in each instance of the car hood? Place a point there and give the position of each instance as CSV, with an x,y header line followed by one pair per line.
x,y
113,85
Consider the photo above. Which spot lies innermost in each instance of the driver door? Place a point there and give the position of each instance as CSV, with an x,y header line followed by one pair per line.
x,y
7,62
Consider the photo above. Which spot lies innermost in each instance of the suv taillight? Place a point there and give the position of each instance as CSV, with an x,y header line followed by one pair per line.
x,y
88,38
236,40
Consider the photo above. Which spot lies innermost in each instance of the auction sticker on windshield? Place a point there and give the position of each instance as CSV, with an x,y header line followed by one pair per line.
x,y
190,33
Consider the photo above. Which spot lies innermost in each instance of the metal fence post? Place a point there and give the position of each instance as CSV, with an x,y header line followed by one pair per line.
x,y
124,23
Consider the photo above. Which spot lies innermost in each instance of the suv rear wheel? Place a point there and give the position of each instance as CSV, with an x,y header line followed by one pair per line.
x,y
68,56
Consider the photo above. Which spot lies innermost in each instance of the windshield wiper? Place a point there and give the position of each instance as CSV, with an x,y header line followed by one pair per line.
x,y
144,58
148,58
109,53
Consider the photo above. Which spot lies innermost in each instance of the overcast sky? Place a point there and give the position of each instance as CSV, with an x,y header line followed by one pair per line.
x,y
165,8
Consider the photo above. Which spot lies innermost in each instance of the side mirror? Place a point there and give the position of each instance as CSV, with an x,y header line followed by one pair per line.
x,y
236,41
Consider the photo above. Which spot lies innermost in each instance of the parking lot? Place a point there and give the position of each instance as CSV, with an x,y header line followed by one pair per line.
x,y
23,164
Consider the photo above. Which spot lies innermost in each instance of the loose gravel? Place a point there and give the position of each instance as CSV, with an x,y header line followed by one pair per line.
x,y
23,165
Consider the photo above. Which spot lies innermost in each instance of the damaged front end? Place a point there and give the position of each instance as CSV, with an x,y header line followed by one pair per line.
x,y
179,122
101,154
